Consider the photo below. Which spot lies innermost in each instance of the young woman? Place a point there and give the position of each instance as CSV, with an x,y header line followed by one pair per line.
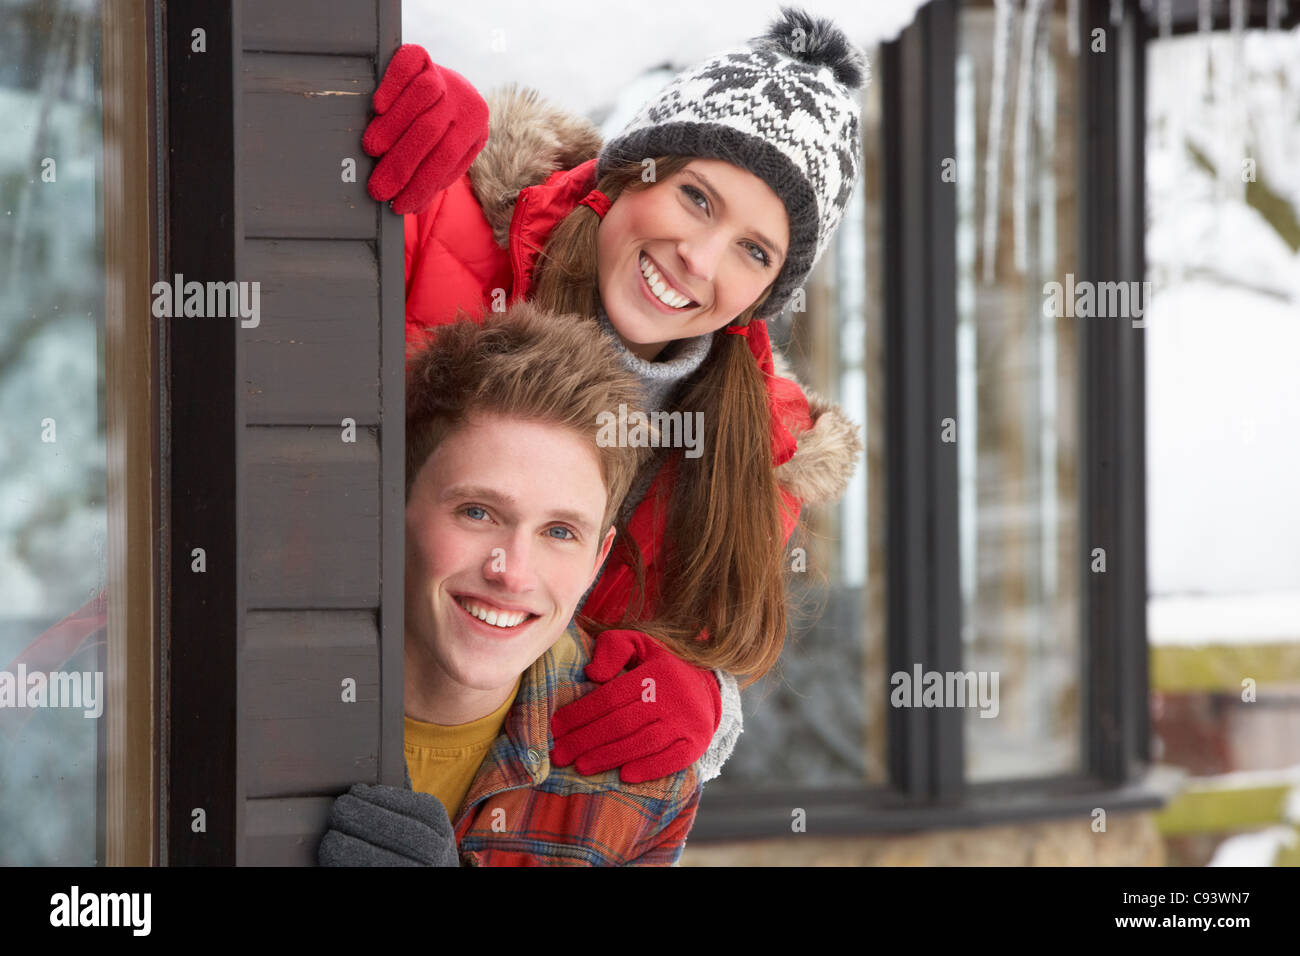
x,y
678,238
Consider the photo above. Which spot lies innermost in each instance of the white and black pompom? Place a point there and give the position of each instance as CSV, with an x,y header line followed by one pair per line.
x,y
819,42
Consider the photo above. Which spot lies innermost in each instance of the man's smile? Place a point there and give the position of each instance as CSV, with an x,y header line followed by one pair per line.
x,y
500,621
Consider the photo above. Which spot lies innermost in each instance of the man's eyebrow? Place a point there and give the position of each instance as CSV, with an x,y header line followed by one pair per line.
x,y
477,491
717,198
490,494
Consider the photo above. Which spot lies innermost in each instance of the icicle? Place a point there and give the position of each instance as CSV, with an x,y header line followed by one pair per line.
x,y
1072,27
1205,27
1234,135
1045,143
1116,13
1024,113
1165,18
1277,9
1004,26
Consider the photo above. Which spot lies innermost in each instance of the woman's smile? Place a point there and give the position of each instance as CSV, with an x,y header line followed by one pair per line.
x,y
663,294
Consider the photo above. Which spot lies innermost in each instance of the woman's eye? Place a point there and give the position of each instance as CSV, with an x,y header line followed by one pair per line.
x,y
762,255
692,193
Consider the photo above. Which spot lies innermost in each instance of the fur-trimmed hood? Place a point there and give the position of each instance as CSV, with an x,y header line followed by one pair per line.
x,y
528,140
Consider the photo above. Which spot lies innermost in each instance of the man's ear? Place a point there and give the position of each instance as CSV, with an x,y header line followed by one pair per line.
x,y
603,553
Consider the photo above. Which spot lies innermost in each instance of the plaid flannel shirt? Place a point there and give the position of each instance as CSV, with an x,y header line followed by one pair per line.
x,y
521,811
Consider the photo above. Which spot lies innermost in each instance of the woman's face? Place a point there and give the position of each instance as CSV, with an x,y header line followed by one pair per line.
x,y
711,233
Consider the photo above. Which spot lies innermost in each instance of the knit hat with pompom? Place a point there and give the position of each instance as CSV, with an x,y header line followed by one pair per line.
x,y
785,107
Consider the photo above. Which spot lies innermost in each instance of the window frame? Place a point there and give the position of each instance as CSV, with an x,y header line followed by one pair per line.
x,y
129,731
927,787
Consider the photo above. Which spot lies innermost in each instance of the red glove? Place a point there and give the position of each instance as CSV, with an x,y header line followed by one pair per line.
x,y
650,730
438,122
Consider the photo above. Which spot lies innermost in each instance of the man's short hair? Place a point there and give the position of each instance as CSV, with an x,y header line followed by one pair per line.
x,y
528,364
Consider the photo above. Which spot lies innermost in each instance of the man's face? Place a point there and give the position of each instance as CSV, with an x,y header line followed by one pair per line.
x,y
503,522
712,232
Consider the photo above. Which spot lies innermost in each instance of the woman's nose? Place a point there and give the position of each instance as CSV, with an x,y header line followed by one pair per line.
x,y
702,254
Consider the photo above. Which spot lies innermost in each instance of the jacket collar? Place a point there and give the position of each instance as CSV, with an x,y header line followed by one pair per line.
x,y
520,756
538,210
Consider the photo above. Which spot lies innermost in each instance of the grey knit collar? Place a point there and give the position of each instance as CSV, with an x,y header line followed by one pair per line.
x,y
679,359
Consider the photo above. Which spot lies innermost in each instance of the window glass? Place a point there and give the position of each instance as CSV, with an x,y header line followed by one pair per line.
x,y
1223,396
1017,389
52,434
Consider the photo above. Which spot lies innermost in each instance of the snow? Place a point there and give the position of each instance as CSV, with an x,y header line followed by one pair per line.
x,y
1253,849
1222,336
1254,618
1261,847
583,63
1222,459
1291,812
1249,780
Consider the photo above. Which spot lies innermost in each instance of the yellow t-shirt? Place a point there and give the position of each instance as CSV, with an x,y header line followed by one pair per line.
x,y
443,760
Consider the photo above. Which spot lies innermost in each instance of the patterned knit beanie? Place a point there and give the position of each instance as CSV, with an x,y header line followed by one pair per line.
x,y
785,108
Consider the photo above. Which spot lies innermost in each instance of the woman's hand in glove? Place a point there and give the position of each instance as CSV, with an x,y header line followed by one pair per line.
x,y
653,721
431,123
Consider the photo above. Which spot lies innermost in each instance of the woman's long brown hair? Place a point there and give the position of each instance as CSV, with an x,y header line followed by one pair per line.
x,y
724,573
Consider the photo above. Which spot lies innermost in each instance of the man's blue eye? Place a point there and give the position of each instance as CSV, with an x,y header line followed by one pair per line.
x,y
569,533
475,508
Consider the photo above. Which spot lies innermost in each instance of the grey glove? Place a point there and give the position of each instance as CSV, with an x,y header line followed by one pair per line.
x,y
388,826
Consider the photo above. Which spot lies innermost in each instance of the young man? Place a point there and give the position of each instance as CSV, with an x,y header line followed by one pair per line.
x,y
510,508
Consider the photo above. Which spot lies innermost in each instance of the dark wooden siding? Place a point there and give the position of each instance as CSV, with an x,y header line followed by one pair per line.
x,y
318,510
314,574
